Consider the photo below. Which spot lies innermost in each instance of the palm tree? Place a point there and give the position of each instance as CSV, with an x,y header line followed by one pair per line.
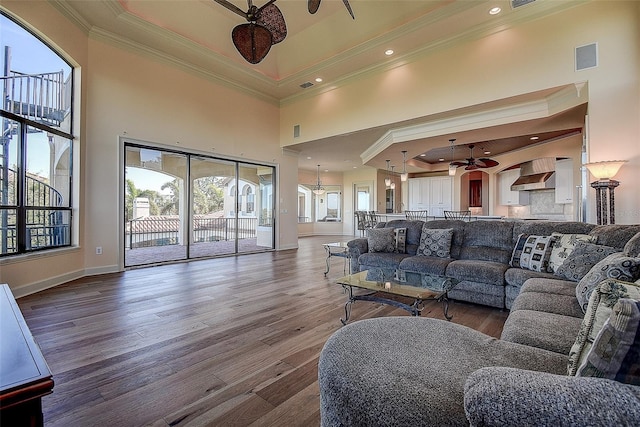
x,y
133,192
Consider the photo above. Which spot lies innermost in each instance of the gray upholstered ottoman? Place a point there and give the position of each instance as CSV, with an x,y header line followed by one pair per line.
x,y
411,371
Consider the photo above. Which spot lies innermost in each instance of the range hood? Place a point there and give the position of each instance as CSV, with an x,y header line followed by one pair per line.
x,y
538,174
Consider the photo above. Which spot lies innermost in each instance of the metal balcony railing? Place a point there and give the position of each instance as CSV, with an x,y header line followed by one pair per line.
x,y
43,98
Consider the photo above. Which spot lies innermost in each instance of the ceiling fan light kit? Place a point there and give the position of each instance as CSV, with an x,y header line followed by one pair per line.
x,y
266,27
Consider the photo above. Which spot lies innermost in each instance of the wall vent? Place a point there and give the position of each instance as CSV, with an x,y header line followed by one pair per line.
x,y
306,85
586,56
296,131
519,3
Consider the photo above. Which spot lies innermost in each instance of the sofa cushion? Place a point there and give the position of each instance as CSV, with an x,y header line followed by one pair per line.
x,y
566,305
582,259
615,353
615,266
414,230
517,276
615,235
425,264
602,300
381,240
549,331
553,286
632,248
488,241
370,374
376,259
477,271
534,253
435,242
498,396
546,228
562,247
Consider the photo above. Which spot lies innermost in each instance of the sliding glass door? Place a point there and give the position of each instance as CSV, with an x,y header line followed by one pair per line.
x,y
184,206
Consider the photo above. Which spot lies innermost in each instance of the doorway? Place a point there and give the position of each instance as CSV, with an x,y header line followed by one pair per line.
x,y
182,206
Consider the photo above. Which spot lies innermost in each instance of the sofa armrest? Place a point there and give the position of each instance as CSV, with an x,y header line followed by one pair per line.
x,y
499,396
355,248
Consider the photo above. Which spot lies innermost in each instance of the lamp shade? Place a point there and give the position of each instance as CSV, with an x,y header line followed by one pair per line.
x,y
452,170
605,170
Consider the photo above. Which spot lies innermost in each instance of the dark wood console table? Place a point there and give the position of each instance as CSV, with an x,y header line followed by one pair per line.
x,y
24,374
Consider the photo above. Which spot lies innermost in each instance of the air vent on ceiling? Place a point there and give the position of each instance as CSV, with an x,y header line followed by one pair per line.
x,y
306,85
518,3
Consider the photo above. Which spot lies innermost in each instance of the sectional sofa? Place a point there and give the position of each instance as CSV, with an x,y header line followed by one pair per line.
x,y
547,367
479,255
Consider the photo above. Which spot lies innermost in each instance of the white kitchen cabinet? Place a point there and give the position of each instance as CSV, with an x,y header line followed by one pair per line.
x,y
564,181
441,197
433,194
418,194
507,196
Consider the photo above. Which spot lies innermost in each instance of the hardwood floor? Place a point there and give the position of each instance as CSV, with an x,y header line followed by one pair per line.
x,y
228,341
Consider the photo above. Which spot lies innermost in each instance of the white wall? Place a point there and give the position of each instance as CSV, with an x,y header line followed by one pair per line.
x,y
128,95
528,58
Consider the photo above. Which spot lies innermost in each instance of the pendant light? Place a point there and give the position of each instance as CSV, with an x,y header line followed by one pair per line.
x,y
387,180
318,190
393,184
452,167
404,175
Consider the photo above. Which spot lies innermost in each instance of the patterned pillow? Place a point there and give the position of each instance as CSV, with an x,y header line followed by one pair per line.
x,y
400,240
615,266
615,353
516,255
632,248
535,253
582,259
435,242
381,239
562,247
602,300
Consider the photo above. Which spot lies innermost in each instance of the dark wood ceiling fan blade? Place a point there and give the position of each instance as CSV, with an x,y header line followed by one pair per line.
x,y
313,6
488,163
348,6
458,164
272,19
253,41
232,7
472,167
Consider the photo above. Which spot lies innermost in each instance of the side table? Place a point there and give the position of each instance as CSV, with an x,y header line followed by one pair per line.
x,y
338,249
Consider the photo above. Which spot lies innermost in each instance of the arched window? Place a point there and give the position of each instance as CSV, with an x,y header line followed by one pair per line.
x,y
36,143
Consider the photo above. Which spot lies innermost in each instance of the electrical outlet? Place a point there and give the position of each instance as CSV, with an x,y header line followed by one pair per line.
x,y
98,250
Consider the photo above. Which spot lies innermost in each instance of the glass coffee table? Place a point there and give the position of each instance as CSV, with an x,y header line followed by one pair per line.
x,y
419,287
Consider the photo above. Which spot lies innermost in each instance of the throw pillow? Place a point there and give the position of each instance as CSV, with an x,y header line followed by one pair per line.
x,y
632,248
562,247
435,242
615,353
602,300
401,240
516,255
381,239
536,252
582,259
615,266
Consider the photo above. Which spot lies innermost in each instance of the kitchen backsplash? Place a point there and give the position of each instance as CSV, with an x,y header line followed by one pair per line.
x,y
542,205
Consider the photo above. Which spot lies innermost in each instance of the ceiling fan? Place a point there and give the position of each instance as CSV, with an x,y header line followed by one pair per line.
x,y
472,163
313,6
265,27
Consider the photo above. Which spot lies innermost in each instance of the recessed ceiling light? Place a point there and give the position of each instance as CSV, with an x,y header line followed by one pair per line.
x,y
388,52
423,155
308,157
487,152
534,138
494,10
441,160
318,79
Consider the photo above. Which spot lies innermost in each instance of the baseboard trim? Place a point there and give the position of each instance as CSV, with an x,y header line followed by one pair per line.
x,y
52,282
